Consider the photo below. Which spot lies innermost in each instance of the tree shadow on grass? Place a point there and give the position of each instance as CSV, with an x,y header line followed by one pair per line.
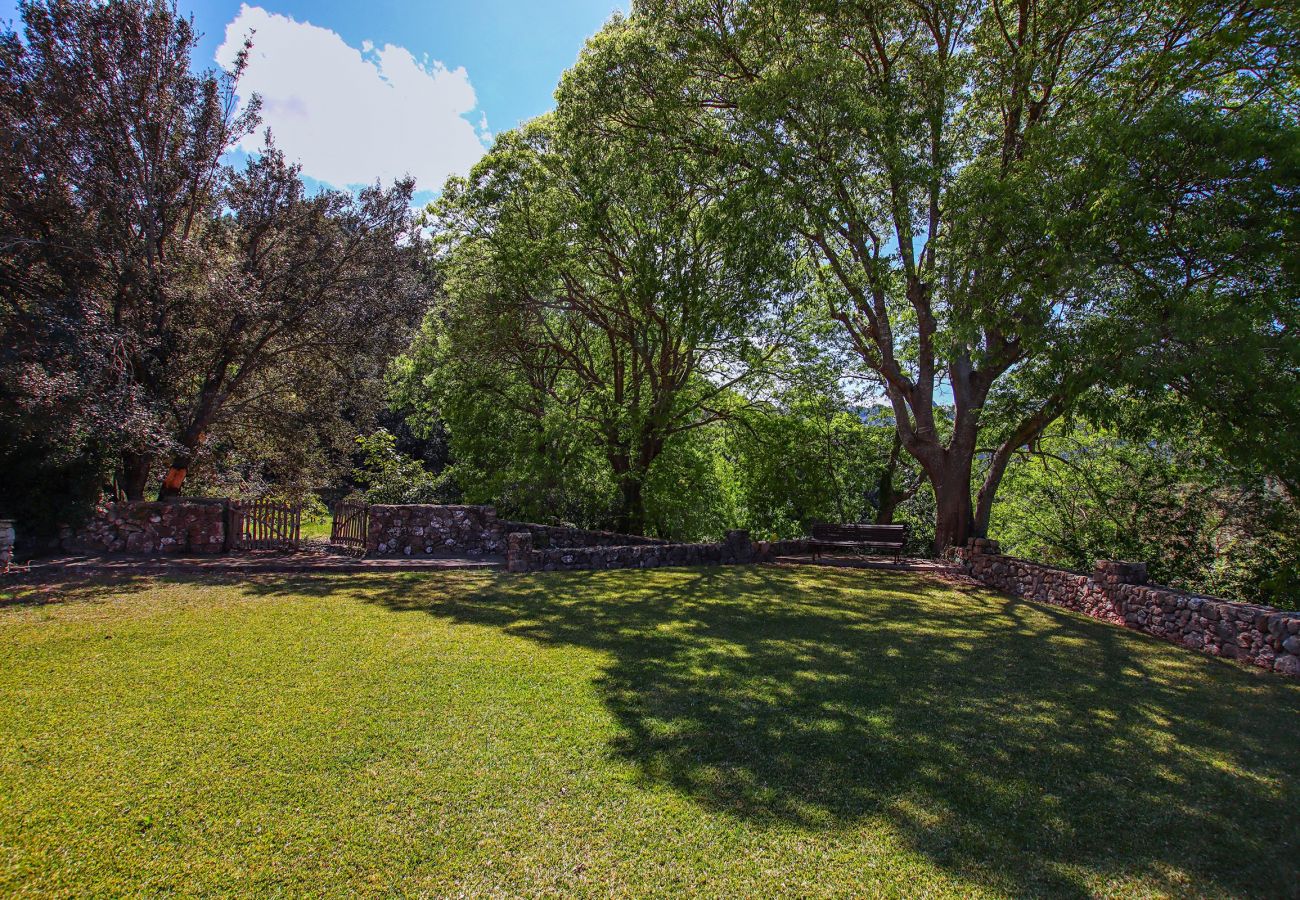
x,y
1015,744
24,590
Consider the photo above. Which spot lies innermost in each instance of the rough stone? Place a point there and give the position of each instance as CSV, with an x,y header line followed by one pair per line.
x,y
429,529
519,552
1287,664
1116,591
523,555
168,526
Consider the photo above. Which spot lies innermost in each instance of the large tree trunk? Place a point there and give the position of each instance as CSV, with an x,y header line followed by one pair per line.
x,y
631,515
888,501
890,498
630,472
630,518
949,467
133,478
1025,433
989,489
180,467
190,442
954,521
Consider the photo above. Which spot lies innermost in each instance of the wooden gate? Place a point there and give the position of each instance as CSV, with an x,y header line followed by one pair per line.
x,y
351,523
265,525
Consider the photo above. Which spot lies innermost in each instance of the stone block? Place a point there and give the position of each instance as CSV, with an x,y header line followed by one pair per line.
x,y
1287,664
519,552
985,546
1118,571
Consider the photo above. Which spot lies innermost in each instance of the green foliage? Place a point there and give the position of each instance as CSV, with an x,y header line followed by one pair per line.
x,y
686,493
806,462
390,476
155,303
603,293
535,466
314,510
1006,203
1084,494
46,485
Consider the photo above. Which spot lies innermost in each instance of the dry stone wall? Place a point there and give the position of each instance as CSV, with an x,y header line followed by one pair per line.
x,y
736,549
168,526
432,530
429,530
1117,592
562,536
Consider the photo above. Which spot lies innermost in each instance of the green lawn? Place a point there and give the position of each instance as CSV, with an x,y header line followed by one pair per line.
x,y
315,529
715,732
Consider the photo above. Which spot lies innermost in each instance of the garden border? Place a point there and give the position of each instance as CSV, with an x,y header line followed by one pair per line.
x,y
1117,592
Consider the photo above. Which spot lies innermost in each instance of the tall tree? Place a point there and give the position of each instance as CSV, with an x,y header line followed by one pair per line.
x,y
142,275
305,301
960,172
112,157
596,277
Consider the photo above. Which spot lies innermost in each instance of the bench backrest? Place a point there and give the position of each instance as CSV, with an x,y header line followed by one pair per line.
x,y
876,534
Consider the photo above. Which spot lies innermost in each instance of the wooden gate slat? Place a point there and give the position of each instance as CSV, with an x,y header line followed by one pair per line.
x,y
266,525
349,526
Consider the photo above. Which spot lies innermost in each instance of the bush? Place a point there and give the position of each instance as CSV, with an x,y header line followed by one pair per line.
x,y
390,476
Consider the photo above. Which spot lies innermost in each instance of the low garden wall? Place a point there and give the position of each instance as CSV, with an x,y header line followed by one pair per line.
x,y
562,536
167,526
426,530
192,525
431,530
1117,592
524,556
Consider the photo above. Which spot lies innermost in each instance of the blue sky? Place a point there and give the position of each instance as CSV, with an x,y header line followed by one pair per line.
x,y
363,90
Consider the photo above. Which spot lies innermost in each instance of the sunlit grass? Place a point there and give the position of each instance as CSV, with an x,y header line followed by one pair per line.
x,y
315,528
718,732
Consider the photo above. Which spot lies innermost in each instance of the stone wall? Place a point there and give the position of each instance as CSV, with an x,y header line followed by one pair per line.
x,y
199,526
524,556
561,536
1117,592
168,526
768,551
432,530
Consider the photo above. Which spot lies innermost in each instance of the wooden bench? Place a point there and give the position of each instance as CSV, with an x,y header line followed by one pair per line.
x,y
888,539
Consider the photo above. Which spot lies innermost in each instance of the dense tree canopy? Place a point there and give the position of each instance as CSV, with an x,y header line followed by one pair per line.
x,y
991,193
1008,267
150,294
595,288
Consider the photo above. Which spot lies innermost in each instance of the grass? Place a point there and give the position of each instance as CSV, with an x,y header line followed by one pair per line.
x,y
315,528
713,732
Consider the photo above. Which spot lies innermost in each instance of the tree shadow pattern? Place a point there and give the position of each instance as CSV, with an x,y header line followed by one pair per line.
x,y
1027,748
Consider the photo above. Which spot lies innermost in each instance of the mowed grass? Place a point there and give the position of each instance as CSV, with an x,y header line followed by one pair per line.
x,y
735,732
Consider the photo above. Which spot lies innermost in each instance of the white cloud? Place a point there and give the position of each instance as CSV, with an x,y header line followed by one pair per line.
x,y
351,116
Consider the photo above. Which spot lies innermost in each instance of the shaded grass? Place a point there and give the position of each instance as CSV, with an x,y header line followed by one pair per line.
x,y
719,732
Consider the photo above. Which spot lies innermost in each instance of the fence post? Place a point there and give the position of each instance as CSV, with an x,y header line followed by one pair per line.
x,y
229,522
